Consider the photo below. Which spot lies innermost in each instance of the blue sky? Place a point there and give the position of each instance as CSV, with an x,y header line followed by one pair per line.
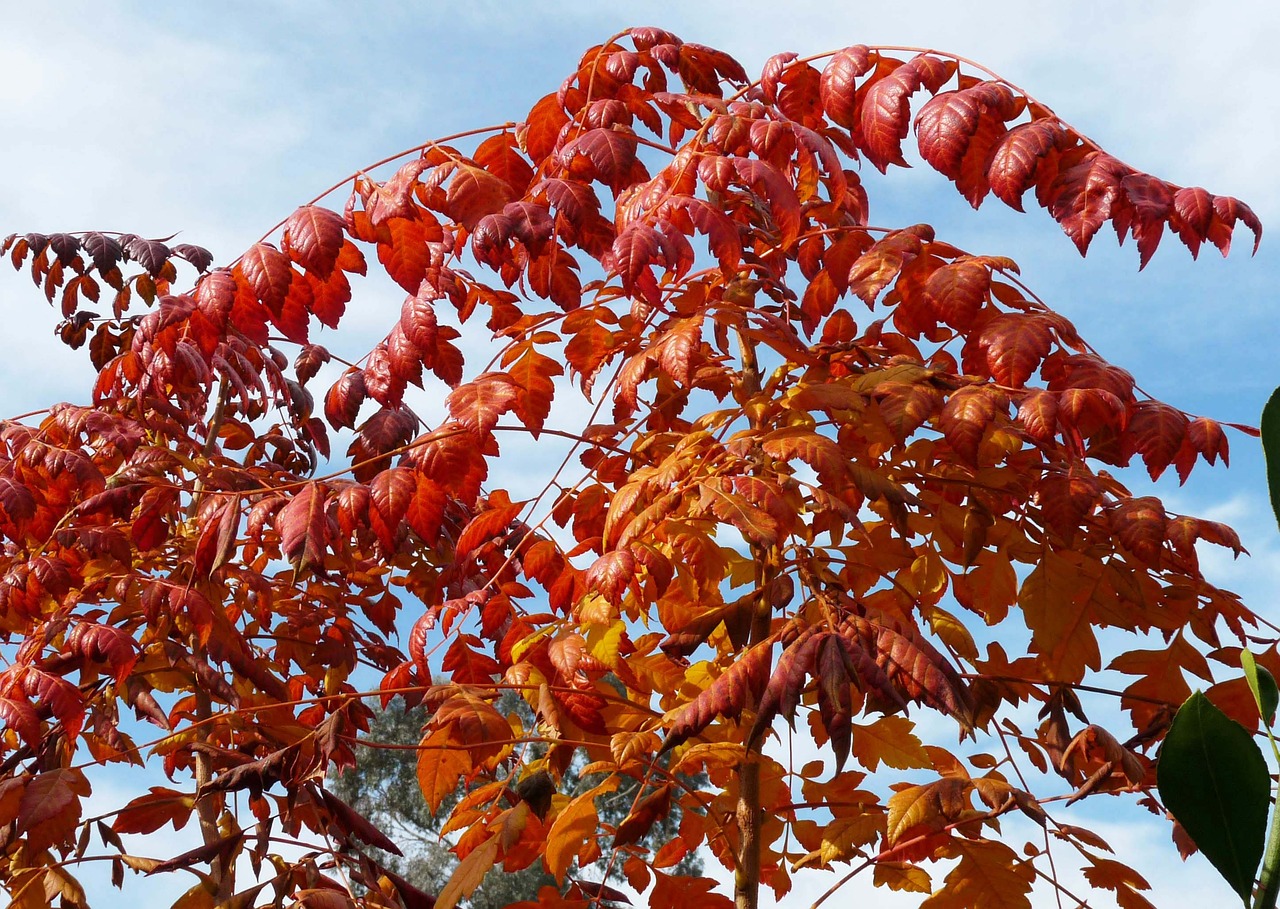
x,y
216,120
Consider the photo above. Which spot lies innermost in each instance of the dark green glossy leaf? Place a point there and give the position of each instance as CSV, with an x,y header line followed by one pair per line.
x,y
1214,780
1271,449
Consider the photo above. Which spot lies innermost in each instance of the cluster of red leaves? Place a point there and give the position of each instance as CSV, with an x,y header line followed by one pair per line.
x,y
768,524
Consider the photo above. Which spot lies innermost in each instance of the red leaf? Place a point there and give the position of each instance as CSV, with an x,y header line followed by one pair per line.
x,y
1149,204
394,198
632,254
839,84
498,155
531,224
383,380
965,418
478,404
50,809
958,131
303,526
215,295
61,698
269,274
390,494
767,181
1193,208
1157,432
532,374
329,298
640,820
21,717
540,132
1039,415
786,683
467,665
1085,412
474,193
488,524
217,537
1139,524
313,237
1226,212
1208,438
612,152
772,73
1019,158
956,292
425,511
947,124
1067,498
1014,345
913,664
342,403
404,251
1084,195
105,643
886,109
160,807
611,575
733,691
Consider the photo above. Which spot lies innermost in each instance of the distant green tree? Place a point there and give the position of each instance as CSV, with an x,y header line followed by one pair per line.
x,y
383,786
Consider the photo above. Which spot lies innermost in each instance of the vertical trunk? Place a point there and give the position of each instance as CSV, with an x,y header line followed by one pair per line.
x,y
207,806
207,811
746,880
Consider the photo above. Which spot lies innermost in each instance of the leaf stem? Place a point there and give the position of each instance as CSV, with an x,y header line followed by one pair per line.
x,y
1269,880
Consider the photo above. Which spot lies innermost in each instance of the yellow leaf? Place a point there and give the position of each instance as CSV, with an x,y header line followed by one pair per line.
x,y
469,873
889,739
902,876
605,642
711,755
931,807
575,823
952,632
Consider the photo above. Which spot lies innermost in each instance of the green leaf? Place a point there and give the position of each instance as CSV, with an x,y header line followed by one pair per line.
x,y
1263,685
1213,779
1271,449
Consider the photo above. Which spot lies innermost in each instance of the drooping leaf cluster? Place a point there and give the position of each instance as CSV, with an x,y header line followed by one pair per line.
x,y
835,474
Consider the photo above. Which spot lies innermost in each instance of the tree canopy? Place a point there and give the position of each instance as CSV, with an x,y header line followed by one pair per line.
x,y
818,470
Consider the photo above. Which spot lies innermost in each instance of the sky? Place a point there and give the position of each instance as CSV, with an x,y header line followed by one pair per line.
x,y
214,121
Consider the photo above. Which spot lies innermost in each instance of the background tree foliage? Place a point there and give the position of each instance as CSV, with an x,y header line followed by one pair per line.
x,y
383,786
819,470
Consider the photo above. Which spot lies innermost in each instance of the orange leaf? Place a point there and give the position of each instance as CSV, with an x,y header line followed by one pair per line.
x,y
989,875
160,807
469,873
575,823
474,193
441,765
478,404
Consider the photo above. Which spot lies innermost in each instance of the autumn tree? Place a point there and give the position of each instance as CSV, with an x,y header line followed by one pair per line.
x,y
820,471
